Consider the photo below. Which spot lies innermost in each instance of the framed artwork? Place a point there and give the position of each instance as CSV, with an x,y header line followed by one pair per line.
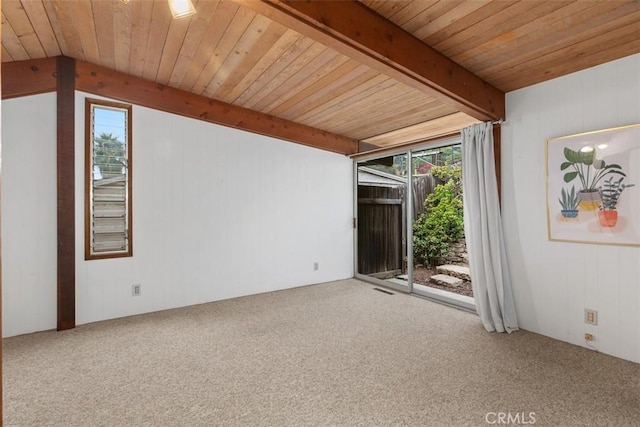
x,y
593,187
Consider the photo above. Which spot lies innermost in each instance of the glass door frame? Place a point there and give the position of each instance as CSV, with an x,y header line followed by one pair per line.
x,y
409,235
423,291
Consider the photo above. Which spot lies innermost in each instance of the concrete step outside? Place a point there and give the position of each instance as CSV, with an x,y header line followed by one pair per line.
x,y
459,271
445,280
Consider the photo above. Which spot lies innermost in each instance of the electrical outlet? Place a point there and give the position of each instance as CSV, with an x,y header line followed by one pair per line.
x,y
590,317
316,266
589,337
136,290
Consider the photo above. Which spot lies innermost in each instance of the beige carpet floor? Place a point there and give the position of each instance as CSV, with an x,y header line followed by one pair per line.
x,y
338,354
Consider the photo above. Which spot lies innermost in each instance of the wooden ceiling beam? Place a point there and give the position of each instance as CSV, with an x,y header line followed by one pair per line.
x,y
123,87
354,30
30,77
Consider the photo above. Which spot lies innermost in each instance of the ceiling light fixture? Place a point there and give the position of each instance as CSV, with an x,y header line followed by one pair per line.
x,y
124,1
181,8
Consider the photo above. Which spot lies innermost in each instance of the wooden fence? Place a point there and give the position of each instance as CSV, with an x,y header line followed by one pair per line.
x,y
423,185
382,233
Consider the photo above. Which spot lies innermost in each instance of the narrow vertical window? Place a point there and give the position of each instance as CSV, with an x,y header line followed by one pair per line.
x,y
108,174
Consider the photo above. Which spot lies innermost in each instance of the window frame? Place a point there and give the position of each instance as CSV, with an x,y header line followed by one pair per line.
x,y
90,103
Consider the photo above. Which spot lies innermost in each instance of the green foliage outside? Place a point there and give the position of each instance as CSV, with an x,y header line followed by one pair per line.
x,y
442,222
109,154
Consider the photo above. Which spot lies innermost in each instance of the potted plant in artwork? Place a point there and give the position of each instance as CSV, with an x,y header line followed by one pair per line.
x,y
569,202
584,165
608,214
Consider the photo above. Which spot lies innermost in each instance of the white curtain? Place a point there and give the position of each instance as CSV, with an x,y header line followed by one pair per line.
x,y
483,231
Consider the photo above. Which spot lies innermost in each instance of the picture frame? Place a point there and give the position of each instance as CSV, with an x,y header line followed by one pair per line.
x,y
593,187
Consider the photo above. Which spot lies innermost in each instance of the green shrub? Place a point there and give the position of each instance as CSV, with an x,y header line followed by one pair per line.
x,y
442,222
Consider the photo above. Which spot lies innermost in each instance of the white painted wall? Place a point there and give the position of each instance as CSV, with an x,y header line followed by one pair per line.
x,y
29,214
554,281
218,213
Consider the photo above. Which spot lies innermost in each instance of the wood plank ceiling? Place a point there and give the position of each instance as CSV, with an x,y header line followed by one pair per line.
x,y
232,54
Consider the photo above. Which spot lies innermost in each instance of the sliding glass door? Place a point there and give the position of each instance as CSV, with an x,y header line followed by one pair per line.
x,y
409,222
382,226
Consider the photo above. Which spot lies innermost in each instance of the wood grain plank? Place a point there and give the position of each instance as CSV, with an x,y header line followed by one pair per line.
x,y
52,16
362,102
421,29
38,16
382,113
452,30
16,16
6,56
415,108
576,57
387,8
307,76
399,120
281,66
158,29
416,11
517,14
346,85
412,134
11,42
141,13
105,32
270,89
376,84
29,77
623,49
122,29
61,13
363,35
65,193
600,18
104,82
173,44
222,18
342,101
335,82
83,21
356,110
335,78
232,35
512,44
195,35
259,37
376,113
229,91
246,56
